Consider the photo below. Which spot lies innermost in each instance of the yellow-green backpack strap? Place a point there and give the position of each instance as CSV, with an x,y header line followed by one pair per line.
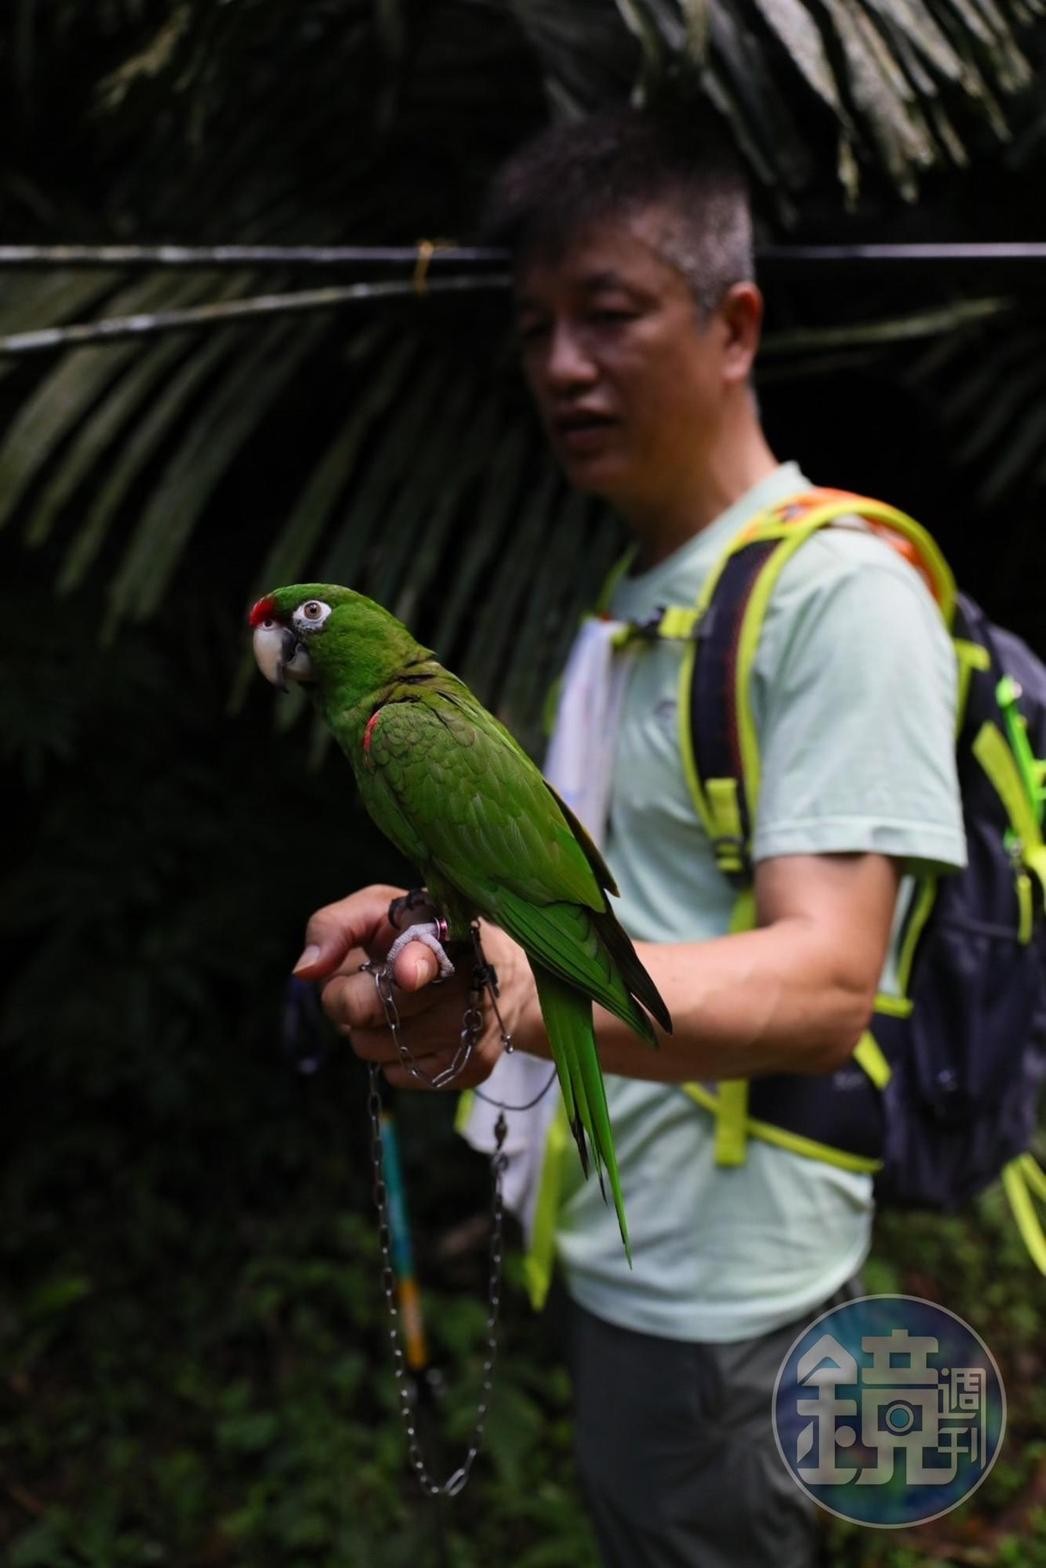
x,y
1023,1181
541,1253
740,589
717,737
900,530
715,813
539,1259
734,592
611,580
818,508
730,1105
717,733
998,761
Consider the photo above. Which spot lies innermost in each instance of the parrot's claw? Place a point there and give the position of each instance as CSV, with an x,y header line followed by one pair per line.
x,y
431,935
403,909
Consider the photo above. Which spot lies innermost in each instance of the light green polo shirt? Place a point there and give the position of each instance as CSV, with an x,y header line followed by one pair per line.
x,y
854,700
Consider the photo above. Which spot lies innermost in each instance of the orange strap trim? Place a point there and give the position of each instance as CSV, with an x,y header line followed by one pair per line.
x,y
796,507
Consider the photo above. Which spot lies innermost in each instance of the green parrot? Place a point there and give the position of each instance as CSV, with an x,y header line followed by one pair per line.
x,y
456,794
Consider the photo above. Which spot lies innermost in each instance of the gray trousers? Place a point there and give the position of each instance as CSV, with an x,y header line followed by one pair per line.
x,y
675,1447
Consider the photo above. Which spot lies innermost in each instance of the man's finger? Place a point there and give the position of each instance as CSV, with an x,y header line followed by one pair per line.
x,y
470,1076
430,1066
375,1045
351,1002
372,1045
361,920
399,1077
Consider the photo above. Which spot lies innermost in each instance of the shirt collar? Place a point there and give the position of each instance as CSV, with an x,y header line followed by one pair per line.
x,y
680,573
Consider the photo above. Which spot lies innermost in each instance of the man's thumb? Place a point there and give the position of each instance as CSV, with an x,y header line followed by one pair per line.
x,y
314,963
415,967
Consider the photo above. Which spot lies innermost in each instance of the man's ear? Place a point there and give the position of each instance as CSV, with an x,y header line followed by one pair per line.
x,y
741,310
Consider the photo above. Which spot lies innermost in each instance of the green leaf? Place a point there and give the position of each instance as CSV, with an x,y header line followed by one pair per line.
x,y
43,1546
55,1296
496,505
63,399
152,430
407,520
795,25
924,323
883,97
103,424
509,588
697,19
759,108
911,21
298,538
51,297
346,560
216,435
455,483
249,1432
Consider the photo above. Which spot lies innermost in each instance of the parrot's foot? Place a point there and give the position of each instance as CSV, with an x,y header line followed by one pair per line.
x,y
431,935
402,910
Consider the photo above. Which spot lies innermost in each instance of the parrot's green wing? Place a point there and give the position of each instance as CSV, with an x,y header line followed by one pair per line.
x,y
456,793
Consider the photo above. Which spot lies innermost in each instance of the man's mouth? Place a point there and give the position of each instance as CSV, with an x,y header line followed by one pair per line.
x,y
582,430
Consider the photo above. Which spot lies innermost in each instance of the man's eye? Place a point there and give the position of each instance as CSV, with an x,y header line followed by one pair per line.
x,y
608,314
532,331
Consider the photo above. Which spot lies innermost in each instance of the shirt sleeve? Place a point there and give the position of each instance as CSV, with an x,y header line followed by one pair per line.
x,y
854,694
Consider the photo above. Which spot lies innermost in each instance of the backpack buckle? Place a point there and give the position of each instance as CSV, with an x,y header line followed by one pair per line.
x,y
649,628
672,623
732,857
727,830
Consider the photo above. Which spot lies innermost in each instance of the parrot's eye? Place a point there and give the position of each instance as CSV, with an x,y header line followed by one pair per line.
x,y
311,615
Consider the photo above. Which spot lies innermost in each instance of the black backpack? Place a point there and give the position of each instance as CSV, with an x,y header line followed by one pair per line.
x,y
941,1096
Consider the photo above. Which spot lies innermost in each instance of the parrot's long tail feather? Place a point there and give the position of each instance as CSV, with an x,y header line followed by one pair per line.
x,y
568,1023
573,1091
615,939
588,950
632,971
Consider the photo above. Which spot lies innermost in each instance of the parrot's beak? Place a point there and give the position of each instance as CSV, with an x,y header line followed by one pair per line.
x,y
279,654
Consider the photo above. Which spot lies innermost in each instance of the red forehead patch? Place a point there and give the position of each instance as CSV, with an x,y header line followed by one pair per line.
x,y
264,610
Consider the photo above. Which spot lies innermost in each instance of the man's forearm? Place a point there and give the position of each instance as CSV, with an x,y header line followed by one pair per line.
x,y
770,1000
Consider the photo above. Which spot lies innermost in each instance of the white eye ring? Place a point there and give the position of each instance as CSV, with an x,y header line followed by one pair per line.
x,y
310,616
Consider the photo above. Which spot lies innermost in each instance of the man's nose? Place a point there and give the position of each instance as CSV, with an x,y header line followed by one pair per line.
x,y
567,362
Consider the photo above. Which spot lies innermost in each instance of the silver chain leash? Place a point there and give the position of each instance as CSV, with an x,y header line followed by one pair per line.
x,y
484,978
472,1023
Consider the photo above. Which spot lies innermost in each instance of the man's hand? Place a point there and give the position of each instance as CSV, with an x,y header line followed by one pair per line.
x,y
793,995
355,930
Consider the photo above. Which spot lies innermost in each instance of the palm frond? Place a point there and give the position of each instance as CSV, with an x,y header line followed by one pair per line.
x,y
990,392
218,430
148,434
396,453
908,83
66,396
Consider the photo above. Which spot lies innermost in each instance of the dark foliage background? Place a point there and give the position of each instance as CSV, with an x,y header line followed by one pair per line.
x,y
194,1367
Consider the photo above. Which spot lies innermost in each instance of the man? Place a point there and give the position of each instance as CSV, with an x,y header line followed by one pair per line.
x,y
639,322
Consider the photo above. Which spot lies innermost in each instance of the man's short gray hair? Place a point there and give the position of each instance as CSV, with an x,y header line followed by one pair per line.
x,y
622,162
